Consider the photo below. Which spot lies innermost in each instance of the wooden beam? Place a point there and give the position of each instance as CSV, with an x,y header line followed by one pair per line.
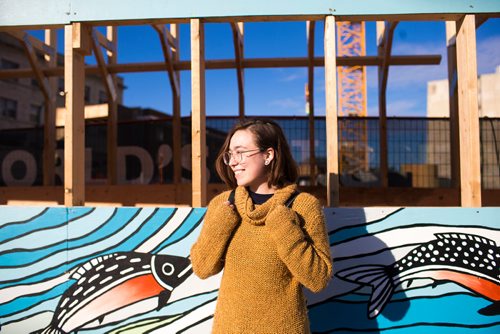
x,y
385,33
57,12
109,84
468,118
480,20
237,29
49,127
176,117
94,111
167,54
103,40
172,42
74,130
198,134
112,126
37,44
231,63
332,153
453,105
26,41
310,27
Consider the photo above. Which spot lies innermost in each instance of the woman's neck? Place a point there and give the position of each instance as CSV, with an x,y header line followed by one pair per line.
x,y
263,189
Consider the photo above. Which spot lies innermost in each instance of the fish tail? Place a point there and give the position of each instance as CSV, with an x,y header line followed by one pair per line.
x,y
52,330
492,309
375,276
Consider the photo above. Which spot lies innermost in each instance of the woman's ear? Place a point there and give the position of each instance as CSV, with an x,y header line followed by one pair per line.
x,y
269,156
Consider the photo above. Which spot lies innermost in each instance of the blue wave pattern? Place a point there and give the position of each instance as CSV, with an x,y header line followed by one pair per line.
x,y
41,245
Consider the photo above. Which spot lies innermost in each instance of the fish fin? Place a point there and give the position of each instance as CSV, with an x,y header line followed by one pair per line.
x,y
163,298
492,309
51,330
376,276
84,268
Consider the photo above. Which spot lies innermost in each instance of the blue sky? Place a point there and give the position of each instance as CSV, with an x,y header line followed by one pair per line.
x,y
280,91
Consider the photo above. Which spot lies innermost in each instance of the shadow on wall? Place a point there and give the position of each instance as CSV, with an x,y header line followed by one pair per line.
x,y
361,291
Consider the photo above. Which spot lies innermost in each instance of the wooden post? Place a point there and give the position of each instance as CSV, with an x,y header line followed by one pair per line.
x,y
332,153
112,124
451,30
76,45
468,117
384,41
237,29
49,124
199,161
176,119
310,27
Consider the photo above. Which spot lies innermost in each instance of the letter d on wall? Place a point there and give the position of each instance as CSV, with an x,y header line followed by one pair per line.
x,y
145,159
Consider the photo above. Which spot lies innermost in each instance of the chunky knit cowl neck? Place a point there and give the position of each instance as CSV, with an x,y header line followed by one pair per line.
x,y
256,214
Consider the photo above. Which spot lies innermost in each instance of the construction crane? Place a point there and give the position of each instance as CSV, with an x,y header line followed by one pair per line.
x,y
352,100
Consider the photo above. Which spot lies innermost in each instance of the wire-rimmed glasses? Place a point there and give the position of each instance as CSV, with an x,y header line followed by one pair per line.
x,y
237,156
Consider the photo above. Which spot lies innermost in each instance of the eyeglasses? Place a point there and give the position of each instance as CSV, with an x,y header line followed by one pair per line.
x,y
238,156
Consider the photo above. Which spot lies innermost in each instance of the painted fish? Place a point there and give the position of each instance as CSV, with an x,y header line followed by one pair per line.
x,y
469,260
109,283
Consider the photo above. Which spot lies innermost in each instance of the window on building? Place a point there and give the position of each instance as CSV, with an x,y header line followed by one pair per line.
x,y
8,65
8,108
87,93
103,97
36,114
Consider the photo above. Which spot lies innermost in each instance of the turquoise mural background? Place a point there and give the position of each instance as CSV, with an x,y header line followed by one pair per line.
x,y
40,247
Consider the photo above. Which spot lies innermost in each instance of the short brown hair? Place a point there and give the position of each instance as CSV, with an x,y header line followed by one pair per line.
x,y
268,134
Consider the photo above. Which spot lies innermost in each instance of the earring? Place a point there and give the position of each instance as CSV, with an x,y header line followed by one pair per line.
x,y
267,162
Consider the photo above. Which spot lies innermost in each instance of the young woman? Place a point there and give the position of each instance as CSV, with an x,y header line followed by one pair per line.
x,y
268,251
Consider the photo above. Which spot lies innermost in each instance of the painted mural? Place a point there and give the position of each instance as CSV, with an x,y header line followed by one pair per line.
x,y
127,270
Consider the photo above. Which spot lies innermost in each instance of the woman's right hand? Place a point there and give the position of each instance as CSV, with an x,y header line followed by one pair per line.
x,y
231,205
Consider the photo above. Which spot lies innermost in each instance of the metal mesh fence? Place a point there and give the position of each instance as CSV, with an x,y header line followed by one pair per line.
x,y
418,149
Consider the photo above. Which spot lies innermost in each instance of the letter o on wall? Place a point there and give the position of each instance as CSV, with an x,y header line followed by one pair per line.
x,y
8,162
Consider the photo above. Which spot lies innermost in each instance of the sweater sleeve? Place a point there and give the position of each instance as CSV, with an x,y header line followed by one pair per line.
x,y
207,253
305,250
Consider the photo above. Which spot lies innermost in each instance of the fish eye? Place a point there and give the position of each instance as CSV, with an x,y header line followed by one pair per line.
x,y
168,269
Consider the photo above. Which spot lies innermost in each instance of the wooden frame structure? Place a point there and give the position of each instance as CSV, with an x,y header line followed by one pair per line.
x,y
79,20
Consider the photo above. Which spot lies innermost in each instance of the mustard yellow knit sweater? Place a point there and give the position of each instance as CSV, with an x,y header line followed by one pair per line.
x,y
267,252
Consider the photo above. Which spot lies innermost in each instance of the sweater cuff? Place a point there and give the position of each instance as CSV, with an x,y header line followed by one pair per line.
x,y
283,226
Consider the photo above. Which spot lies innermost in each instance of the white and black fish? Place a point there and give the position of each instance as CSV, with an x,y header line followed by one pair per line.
x,y
469,260
109,283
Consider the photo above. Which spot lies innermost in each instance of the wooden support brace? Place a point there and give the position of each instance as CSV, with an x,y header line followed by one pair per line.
x,y
109,83
332,138
103,41
33,59
231,63
468,115
453,98
74,130
112,126
310,28
385,33
237,29
37,44
176,114
167,54
198,130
